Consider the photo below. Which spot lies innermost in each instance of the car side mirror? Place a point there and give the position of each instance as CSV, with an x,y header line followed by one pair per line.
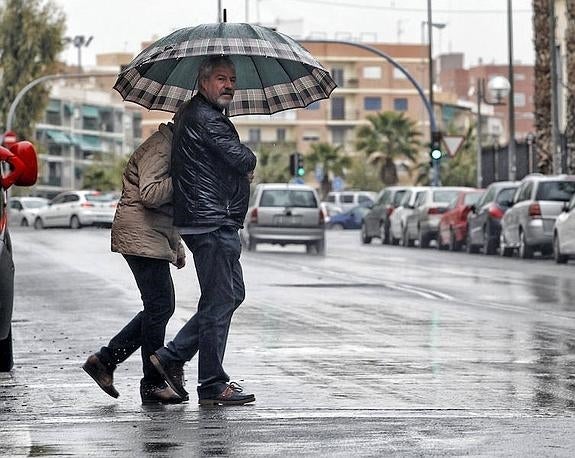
x,y
565,208
473,208
23,164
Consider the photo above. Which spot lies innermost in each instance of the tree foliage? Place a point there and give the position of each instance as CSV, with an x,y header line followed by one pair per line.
x,y
105,176
332,162
389,137
31,37
570,65
273,166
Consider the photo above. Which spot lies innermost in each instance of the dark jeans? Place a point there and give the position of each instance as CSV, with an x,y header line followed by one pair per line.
x,y
148,328
217,260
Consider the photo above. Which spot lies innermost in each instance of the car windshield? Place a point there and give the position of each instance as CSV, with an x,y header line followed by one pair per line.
x,y
444,196
397,198
33,203
506,195
288,198
472,198
555,190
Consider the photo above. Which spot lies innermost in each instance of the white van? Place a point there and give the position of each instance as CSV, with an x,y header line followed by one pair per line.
x,y
346,200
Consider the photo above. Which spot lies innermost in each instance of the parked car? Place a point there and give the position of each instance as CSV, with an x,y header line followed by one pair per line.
x,y
75,209
351,219
22,171
376,221
528,224
422,224
564,233
346,200
484,219
284,214
398,219
22,211
453,223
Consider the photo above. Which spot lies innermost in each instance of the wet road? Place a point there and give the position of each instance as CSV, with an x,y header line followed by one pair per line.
x,y
373,350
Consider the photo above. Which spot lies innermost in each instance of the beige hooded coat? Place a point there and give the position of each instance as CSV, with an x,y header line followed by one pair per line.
x,y
143,223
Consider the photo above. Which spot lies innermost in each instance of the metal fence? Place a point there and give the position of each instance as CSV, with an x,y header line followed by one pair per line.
x,y
495,162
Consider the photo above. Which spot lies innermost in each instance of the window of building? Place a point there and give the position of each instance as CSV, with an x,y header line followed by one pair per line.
x,y
372,73
519,99
372,103
398,74
400,104
337,75
310,136
337,108
281,134
519,76
255,135
338,136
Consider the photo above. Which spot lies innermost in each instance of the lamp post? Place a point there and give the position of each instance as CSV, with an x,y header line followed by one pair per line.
x,y
79,42
498,88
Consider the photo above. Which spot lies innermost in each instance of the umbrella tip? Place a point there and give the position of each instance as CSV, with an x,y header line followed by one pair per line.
x,y
225,15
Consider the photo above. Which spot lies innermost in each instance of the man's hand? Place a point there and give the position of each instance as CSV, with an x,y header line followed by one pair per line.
x,y
251,176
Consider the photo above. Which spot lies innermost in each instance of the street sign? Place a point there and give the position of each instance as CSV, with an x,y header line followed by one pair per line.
x,y
337,184
453,143
9,139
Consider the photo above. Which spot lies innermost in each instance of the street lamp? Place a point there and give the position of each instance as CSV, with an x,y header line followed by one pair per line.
x,y
79,41
498,89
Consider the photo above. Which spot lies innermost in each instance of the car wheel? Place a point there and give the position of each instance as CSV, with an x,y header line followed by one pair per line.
x,y
38,224
488,243
453,245
75,222
559,258
364,237
252,244
422,239
6,359
320,247
525,251
24,222
384,233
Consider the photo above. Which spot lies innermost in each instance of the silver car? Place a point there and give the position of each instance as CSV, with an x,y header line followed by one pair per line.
x,y
423,222
284,214
527,226
398,219
564,233
75,209
22,211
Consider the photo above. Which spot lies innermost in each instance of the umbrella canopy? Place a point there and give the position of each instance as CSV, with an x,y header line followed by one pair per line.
x,y
274,72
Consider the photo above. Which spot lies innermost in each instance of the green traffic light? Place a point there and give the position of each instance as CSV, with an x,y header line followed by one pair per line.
x,y
300,172
436,154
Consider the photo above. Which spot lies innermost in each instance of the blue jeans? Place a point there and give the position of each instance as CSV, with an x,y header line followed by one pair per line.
x,y
148,328
217,261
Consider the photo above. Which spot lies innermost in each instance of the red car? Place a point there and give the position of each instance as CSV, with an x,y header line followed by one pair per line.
x,y
453,223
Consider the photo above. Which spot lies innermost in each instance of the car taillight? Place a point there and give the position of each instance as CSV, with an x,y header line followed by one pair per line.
x,y
321,217
495,212
433,211
254,216
535,210
86,204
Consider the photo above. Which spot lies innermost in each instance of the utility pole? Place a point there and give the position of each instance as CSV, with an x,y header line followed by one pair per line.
x,y
555,142
511,105
434,132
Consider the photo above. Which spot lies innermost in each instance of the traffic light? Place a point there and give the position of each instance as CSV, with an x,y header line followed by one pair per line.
x,y
296,166
435,152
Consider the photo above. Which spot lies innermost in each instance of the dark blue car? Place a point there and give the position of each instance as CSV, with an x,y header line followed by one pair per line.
x,y
350,219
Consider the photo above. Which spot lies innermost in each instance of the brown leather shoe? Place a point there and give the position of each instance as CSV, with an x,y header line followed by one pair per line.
x,y
102,374
230,396
152,394
173,373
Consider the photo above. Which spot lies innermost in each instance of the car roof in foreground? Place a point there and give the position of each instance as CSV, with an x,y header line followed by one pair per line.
x,y
284,186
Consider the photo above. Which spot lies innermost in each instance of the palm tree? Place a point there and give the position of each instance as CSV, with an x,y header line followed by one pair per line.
x,y
542,93
332,162
273,166
570,64
389,137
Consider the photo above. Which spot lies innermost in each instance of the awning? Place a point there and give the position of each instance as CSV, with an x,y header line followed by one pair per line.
x,y
58,137
89,111
89,143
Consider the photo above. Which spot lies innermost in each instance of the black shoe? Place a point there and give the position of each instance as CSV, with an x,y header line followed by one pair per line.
x,y
102,374
173,373
230,396
163,394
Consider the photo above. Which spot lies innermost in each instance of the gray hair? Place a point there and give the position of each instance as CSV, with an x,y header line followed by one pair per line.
x,y
209,64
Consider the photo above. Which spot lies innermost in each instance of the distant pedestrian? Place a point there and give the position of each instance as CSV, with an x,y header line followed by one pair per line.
x,y
212,171
143,232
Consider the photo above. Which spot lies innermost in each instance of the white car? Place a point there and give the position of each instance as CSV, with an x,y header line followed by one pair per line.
x,y
398,219
22,211
564,233
75,209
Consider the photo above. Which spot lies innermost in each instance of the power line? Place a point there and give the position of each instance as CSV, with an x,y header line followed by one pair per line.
x,y
407,10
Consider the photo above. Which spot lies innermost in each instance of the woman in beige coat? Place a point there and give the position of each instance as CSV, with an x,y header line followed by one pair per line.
x,y
143,233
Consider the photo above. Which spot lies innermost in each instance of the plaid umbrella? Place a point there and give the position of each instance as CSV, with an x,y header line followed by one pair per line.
x,y
274,72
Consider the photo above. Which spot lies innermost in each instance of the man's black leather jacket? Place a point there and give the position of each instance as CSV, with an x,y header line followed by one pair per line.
x,y
209,168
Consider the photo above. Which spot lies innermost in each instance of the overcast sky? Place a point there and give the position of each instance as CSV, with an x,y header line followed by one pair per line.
x,y
478,28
